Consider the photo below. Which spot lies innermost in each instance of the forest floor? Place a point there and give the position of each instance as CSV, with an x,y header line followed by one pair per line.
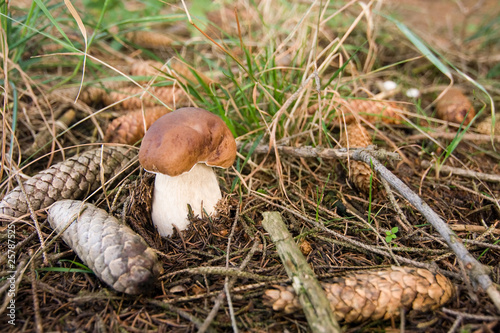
x,y
289,75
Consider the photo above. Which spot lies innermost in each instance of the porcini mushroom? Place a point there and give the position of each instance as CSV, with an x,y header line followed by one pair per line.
x,y
181,148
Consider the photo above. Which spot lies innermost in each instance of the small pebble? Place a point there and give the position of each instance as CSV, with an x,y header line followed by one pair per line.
x,y
389,85
413,93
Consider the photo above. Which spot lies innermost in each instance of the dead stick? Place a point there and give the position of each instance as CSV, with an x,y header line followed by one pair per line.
x,y
477,271
34,291
320,152
184,314
462,172
311,295
473,228
451,136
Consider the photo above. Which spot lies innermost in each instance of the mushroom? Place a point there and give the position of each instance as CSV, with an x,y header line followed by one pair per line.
x,y
181,148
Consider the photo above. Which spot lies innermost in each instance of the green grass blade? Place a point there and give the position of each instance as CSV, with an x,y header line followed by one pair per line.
x,y
81,268
419,44
53,20
64,270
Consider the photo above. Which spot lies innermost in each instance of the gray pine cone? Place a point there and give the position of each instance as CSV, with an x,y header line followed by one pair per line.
x,y
70,179
116,254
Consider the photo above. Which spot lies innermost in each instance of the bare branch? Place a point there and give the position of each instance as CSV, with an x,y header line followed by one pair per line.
x,y
478,273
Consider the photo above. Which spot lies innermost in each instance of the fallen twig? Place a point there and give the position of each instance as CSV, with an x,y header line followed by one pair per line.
x,y
451,136
473,228
186,315
348,241
311,295
34,291
403,221
477,271
461,172
11,284
215,270
326,153
470,315
228,284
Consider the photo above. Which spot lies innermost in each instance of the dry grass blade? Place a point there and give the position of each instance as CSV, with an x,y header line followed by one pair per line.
x,y
83,30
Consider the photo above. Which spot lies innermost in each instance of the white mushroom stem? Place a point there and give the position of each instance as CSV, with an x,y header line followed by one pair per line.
x,y
199,188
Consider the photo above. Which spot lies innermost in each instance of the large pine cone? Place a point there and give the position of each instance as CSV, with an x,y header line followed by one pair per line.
x,y
116,254
71,179
373,295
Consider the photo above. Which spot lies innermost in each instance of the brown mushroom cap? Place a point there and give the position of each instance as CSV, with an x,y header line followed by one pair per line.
x,y
184,137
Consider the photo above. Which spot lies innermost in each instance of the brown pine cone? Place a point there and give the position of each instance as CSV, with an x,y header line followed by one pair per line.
x,y
152,67
88,95
145,68
71,179
150,39
129,128
373,111
171,96
356,136
455,107
116,254
373,295
484,127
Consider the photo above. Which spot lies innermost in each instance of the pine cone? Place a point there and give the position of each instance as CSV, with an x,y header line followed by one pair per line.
x,y
356,136
373,111
145,68
116,254
129,128
455,107
71,179
484,127
152,67
88,95
150,39
373,295
170,96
